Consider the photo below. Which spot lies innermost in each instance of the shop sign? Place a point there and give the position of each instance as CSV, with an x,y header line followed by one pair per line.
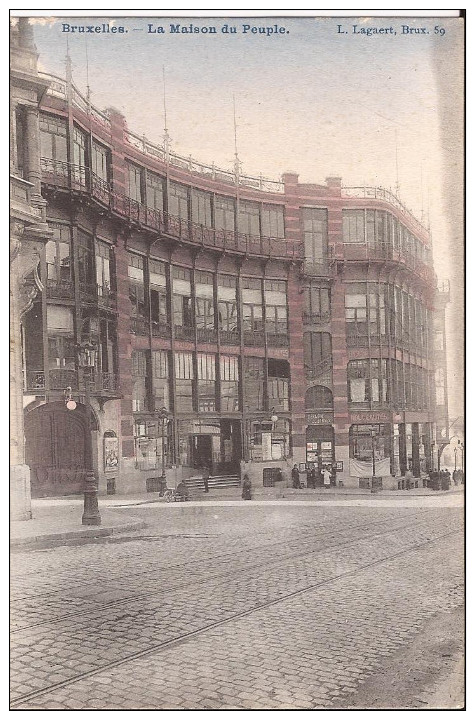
x,y
111,454
370,417
319,419
339,466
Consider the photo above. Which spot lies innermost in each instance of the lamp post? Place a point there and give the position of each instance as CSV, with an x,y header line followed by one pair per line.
x,y
163,418
455,453
462,450
373,457
87,361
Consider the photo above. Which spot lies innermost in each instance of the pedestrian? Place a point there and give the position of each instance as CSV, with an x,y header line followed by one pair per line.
x,y
246,488
295,477
206,478
326,478
312,476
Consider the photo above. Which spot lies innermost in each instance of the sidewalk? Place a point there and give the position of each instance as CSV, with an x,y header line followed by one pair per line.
x,y
60,520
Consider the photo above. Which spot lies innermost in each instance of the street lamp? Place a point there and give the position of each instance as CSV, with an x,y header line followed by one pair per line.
x,y
455,452
163,418
373,457
87,353
462,451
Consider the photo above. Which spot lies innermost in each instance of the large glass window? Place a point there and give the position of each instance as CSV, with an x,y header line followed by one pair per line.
x,y
204,300
178,200
103,268
61,344
85,259
201,208
317,304
275,294
252,304
368,441
365,309
224,215
149,448
206,364
248,218
229,375
184,376
135,182
278,379
53,143
254,380
100,161
353,226
182,306
136,293
139,381
154,191
108,357
315,230
272,221
58,255
158,292
79,156
368,381
317,350
319,398
227,306
160,380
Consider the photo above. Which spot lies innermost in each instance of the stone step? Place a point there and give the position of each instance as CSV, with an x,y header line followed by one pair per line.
x,y
214,482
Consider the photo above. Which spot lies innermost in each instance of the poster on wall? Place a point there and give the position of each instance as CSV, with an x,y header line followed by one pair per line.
x,y
111,454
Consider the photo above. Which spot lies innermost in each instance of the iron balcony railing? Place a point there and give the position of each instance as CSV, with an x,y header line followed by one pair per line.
x,y
318,369
80,178
277,340
316,319
376,193
206,335
386,252
254,338
230,338
163,330
62,378
185,333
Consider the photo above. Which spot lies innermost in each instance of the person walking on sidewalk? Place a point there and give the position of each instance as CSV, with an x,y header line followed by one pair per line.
x,y
326,478
295,477
206,478
246,488
311,476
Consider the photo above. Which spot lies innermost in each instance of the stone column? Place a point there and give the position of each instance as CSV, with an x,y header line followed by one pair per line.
x,y
32,141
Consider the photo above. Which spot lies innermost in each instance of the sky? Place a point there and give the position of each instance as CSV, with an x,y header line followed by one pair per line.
x,y
380,109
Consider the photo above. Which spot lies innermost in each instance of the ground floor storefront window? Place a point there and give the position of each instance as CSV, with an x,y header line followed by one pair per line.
x,y
370,450
267,440
151,445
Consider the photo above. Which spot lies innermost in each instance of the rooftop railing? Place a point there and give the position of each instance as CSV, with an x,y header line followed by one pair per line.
x,y
385,195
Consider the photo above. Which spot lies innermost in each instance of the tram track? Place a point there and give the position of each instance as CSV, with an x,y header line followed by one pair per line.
x,y
185,637
276,561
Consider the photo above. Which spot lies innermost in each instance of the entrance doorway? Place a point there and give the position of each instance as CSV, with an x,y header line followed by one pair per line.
x,y
321,450
201,451
57,450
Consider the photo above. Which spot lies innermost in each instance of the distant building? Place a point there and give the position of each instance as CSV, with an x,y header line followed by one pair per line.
x,y
203,318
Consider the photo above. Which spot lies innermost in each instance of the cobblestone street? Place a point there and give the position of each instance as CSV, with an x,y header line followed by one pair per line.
x,y
266,606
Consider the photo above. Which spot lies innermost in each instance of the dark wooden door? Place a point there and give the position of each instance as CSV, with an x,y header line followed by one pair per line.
x,y
58,450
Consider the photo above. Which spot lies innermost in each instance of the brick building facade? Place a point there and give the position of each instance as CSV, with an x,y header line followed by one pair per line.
x,y
192,317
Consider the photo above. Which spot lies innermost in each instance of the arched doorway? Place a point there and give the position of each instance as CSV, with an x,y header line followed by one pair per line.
x,y
57,449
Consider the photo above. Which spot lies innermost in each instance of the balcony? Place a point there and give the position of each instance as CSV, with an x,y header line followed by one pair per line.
x,y
315,268
277,340
185,333
68,175
229,338
254,338
59,379
162,330
319,369
206,335
106,298
102,382
386,252
316,319
138,325
62,378
60,290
